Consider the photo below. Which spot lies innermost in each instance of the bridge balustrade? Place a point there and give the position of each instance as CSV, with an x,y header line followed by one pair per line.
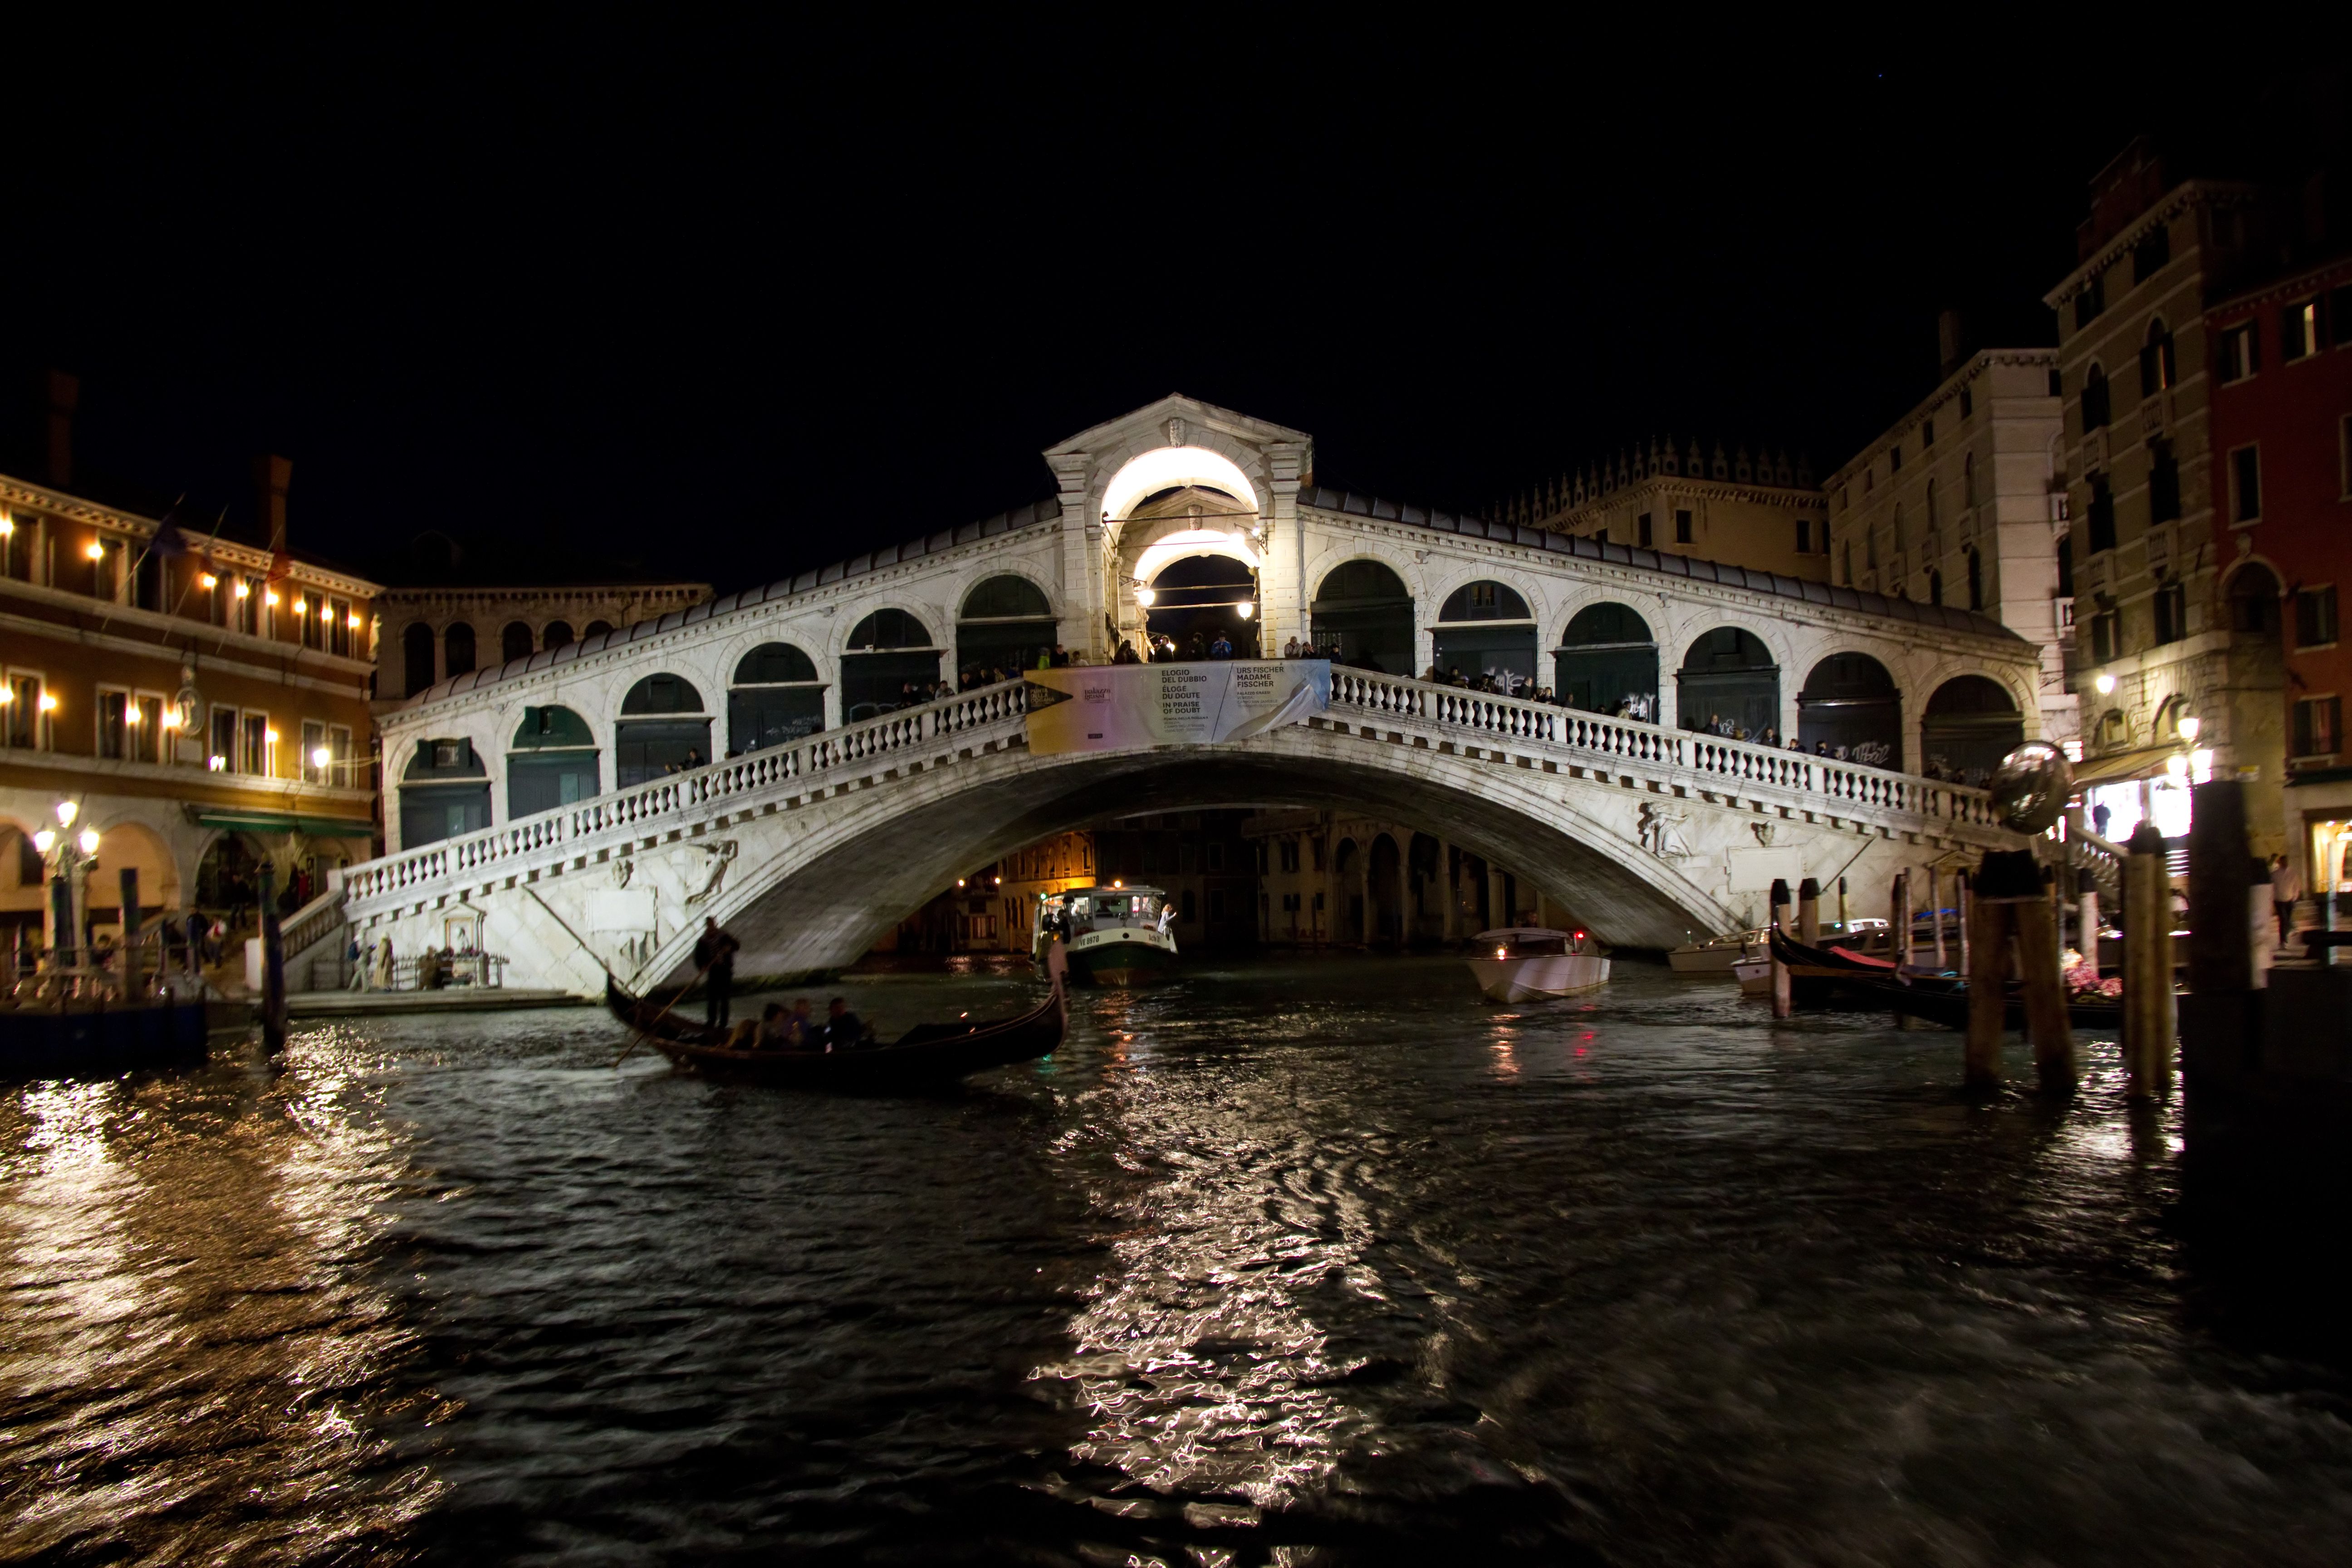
x,y
1798,772
680,795
1447,711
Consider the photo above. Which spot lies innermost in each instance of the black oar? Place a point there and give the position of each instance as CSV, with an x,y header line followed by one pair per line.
x,y
644,1029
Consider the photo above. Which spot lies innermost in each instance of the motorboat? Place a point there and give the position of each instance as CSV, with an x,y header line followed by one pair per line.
x,y
1526,963
1754,974
1115,935
1717,954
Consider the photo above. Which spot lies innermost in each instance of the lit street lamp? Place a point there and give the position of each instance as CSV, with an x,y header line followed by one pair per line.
x,y
70,857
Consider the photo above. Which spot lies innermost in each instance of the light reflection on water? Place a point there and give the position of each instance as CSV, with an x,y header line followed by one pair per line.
x,y
1305,1262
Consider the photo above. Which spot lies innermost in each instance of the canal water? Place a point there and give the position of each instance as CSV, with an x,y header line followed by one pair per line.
x,y
1300,1262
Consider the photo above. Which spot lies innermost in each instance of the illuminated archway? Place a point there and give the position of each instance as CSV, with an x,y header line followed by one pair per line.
x,y
1167,467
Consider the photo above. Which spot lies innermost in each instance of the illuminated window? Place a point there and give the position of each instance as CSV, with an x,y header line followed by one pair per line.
x,y
2157,369
314,747
2298,331
27,722
2242,352
113,724
2315,618
255,756
2318,726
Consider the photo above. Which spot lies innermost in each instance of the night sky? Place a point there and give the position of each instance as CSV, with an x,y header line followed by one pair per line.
x,y
730,304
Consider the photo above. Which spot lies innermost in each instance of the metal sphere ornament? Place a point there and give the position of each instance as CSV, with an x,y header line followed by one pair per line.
x,y
2031,787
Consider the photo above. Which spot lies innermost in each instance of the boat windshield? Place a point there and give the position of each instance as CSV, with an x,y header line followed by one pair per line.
x,y
1080,911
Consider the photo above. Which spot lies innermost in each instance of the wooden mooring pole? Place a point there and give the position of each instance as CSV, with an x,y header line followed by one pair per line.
x,y
130,945
2008,903
2149,1028
1783,1004
273,966
1898,920
1808,912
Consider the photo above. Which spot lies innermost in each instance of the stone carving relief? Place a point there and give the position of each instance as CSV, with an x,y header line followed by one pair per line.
x,y
721,855
1660,831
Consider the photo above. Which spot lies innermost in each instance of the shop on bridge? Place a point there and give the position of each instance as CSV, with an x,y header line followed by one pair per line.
x,y
1729,677
1606,657
1362,615
1850,706
1485,629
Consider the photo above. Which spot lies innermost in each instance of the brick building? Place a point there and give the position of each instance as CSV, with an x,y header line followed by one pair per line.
x,y
2282,423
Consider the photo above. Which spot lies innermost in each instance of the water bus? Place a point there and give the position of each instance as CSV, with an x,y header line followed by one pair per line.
x,y
1114,936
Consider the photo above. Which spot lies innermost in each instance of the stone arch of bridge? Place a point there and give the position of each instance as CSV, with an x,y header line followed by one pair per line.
x,y
818,898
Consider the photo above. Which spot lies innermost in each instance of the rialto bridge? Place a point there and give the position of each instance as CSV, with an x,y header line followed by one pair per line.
x,y
568,802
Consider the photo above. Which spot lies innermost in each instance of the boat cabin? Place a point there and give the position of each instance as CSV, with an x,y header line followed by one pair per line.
x,y
1074,911
1530,941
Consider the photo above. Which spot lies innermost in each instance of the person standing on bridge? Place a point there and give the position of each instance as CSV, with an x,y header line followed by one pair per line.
x,y
714,955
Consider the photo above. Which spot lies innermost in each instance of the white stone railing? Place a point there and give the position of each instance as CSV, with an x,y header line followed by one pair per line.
x,y
689,796
1736,762
996,713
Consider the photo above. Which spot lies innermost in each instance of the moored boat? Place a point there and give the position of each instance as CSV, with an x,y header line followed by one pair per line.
x,y
1717,954
1115,935
1526,963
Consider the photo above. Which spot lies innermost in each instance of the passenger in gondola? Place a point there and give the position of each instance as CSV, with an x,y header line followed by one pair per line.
x,y
843,1030
799,1030
775,1027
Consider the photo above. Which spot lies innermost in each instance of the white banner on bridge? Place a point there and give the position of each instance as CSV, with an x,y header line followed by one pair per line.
x,y
1111,707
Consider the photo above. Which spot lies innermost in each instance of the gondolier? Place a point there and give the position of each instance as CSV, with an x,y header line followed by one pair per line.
x,y
714,955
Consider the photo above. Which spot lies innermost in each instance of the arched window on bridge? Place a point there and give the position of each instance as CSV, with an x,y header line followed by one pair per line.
x,y
1606,656
1485,629
1971,722
663,730
597,629
890,662
416,657
774,700
551,762
1005,624
1363,615
515,642
444,791
1729,677
1849,701
558,632
457,650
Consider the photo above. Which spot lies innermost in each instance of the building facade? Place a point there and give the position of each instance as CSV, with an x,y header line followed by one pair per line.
x,y
200,705
2158,637
1958,503
2281,437
1761,512
434,633
1343,878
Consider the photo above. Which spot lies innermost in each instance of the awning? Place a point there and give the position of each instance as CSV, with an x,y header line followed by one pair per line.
x,y
2147,763
287,822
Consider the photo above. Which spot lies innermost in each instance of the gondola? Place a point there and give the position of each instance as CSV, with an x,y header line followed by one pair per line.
x,y
1945,1002
1818,976
926,1054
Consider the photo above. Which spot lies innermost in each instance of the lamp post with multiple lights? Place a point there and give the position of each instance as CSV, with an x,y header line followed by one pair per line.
x,y
70,857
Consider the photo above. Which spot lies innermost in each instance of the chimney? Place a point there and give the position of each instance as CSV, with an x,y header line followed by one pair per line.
x,y
1950,345
271,475
60,394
